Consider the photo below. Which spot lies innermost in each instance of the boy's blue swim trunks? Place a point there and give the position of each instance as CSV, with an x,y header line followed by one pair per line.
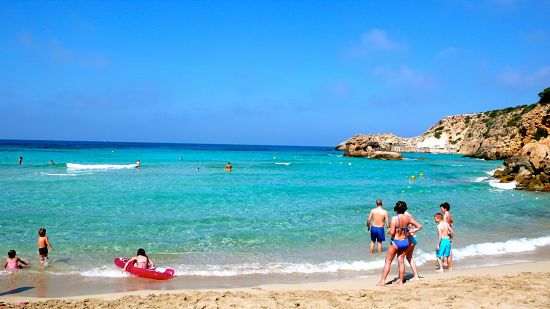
x,y
377,234
444,248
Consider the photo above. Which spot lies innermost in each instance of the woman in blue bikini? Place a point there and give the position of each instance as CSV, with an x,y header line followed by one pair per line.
x,y
399,245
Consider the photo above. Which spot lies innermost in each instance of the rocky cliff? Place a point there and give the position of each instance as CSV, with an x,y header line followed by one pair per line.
x,y
518,135
374,146
497,134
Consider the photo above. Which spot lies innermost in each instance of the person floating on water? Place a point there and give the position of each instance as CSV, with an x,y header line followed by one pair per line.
x,y
141,260
228,167
20,160
51,162
43,244
13,262
138,164
380,216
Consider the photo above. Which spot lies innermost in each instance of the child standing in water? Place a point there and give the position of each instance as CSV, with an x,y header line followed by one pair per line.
x,y
13,262
447,217
43,244
443,248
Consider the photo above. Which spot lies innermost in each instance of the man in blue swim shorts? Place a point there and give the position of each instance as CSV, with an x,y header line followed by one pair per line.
x,y
379,217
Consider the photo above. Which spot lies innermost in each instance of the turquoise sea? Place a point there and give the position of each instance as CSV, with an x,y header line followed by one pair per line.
x,y
281,210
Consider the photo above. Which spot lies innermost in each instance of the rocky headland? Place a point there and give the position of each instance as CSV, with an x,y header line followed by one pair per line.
x,y
518,135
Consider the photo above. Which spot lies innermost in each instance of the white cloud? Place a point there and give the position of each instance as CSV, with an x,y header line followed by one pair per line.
x,y
376,41
522,77
448,52
536,36
405,77
54,50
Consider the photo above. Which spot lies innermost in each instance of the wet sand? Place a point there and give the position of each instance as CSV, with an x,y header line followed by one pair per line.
x,y
505,286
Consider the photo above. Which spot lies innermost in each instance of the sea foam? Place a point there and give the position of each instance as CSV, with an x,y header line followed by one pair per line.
x,y
421,257
502,185
76,166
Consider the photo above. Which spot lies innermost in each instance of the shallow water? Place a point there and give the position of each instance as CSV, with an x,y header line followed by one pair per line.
x,y
281,210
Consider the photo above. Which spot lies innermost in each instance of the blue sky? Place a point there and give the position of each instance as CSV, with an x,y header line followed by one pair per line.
x,y
262,72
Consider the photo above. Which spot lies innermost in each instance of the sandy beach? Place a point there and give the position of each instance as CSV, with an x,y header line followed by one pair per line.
x,y
506,286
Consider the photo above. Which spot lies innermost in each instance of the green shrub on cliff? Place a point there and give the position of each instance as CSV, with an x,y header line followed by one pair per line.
x,y
540,133
544,96
437,134
514,121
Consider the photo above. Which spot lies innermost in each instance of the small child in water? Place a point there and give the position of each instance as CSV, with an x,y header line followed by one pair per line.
x,y
43,244
443,248
141,260
13,262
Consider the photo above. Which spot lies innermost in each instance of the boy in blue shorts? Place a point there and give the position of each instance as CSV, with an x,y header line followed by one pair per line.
x,y
443,248
380,216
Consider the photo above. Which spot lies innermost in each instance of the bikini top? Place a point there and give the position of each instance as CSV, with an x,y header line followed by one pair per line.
x,y
404,229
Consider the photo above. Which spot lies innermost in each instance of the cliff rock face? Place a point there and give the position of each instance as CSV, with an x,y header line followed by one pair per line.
x,y
493,135
530,169
517,135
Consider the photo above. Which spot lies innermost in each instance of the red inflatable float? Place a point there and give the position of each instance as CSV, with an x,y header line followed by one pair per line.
x,y
157,273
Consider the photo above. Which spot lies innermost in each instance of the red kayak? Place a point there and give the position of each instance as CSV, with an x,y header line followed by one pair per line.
x,y
157,273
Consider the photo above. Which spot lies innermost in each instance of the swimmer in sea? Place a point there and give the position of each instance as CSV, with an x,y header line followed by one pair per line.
x,y
51,162
20,160
228,167
138,164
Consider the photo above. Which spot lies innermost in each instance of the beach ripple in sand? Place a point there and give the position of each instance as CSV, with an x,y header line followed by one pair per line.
x,y
524,290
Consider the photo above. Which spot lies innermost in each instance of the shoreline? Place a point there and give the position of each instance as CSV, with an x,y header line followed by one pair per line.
x,y
465,282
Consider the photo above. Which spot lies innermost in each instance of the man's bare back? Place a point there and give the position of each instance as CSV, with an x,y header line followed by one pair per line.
x,y
379,216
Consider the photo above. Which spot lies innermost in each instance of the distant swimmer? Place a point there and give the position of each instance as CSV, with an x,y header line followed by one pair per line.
x,y
51,162
228,167
198,169
380,216
20,160
138,164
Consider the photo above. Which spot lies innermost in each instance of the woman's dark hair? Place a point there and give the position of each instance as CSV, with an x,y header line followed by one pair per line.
x,y
141,252
400,207
11,254
446,205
